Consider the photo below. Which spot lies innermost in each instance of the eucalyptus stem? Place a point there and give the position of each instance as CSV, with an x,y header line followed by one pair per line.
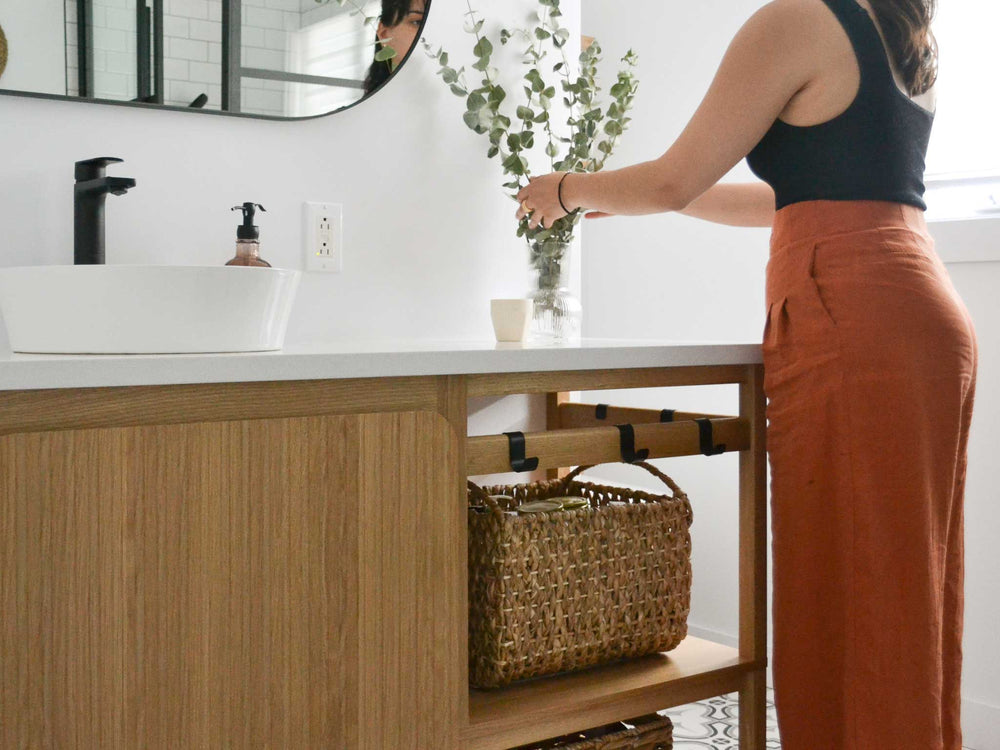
x,y
587,120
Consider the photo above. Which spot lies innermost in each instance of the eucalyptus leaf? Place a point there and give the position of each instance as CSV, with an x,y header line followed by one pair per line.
x,y
475,102
483,48
589,126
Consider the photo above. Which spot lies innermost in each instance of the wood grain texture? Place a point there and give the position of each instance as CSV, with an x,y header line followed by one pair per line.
x,y
584,415
206,585
554,403
549,707
753,560
453,405
58,409
489,454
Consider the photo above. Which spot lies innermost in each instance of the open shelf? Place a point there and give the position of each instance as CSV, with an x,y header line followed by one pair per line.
x,y
551,706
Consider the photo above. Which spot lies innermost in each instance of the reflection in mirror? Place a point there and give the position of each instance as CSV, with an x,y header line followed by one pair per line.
x,y
271,58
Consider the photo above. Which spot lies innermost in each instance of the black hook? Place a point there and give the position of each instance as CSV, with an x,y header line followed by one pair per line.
x,y
627,441
518,462
601,412
708,446
667,415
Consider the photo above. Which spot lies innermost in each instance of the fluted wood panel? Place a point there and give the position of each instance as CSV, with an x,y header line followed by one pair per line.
x,y
230,584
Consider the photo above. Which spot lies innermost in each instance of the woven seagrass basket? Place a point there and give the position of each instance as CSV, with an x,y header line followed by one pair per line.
x,y
560,591
651,732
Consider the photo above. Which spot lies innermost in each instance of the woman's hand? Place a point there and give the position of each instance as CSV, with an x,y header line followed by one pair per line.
x,y
539,201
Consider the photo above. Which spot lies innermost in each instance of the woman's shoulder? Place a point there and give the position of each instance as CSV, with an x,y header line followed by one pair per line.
x,y
792,24
792,11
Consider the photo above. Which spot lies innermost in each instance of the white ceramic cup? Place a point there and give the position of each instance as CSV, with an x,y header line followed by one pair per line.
x,y
511,318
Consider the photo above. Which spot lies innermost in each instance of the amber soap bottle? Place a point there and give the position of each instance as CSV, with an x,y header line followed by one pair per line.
x,y
248,239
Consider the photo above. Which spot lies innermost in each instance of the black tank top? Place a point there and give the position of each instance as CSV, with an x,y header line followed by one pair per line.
x,y
874,150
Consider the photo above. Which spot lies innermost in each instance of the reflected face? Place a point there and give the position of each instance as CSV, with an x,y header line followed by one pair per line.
x,y
402,36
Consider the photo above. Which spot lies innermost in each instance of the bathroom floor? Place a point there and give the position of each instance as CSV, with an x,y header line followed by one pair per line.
x,y
714,724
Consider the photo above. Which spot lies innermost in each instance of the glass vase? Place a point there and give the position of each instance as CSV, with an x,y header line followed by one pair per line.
x,y
558,314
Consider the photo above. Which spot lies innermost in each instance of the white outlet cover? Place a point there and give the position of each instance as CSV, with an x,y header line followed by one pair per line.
x,y
324,236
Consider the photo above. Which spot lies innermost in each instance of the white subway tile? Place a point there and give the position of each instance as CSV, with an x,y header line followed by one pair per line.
x,y
264,102
206,31
111,86
188,49
264,18
175,26
175,69
117,18
253,36
120,62
275,40
215,52
215,14
205,72
110,40
190,8
263,58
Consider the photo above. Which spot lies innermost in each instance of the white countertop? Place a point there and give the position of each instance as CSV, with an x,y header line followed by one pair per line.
x,y
331,360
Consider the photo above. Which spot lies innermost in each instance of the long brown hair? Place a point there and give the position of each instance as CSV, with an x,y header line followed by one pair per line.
x,y
906,25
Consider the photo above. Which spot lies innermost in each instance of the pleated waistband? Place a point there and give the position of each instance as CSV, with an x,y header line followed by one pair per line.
x,y
809,220
814,238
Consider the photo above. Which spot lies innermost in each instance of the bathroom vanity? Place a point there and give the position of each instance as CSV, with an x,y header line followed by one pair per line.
x,y
269,550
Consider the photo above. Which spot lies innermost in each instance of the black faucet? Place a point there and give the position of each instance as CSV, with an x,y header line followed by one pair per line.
x,y
89,192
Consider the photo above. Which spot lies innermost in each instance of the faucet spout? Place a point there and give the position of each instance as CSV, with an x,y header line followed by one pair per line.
x,y
89,193
95,187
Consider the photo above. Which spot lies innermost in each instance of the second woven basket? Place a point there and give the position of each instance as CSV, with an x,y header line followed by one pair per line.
x,y
559,591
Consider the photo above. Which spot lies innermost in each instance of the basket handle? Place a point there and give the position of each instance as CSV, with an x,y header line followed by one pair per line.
x,y
480,494
677,491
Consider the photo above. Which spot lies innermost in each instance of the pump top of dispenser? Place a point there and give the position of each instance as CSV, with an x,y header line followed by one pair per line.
x,y
248,230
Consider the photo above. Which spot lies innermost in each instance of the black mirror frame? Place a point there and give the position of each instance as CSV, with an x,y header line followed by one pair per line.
x,y
219,112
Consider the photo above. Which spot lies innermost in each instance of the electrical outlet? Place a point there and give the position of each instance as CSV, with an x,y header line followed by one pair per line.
x,y
324,234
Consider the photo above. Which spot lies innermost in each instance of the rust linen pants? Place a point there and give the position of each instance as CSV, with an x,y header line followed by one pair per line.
x,y
870,369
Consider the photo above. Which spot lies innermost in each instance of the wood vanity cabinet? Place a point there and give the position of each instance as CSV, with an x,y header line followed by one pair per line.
x,y
283,565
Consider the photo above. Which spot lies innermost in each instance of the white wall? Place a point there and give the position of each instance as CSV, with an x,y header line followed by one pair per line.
x,y
675,277
34,30
429,234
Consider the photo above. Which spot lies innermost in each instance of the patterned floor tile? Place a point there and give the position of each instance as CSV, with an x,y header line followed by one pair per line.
x,y
714,724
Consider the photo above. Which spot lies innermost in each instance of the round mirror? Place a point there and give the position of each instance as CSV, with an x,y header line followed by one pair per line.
x,y
261,58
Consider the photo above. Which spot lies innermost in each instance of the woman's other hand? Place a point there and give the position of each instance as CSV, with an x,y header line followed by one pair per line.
x,y
539,201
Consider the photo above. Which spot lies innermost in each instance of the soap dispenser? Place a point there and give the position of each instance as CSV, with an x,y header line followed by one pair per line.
x,y
248,239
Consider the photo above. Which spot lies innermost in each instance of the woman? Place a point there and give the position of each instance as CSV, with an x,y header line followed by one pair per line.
x,y
869,355
398,26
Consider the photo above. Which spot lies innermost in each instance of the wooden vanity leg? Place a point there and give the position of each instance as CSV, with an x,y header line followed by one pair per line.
x,y
453,405
552,403
753,563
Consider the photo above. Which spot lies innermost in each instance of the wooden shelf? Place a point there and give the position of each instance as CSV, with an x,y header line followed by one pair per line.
x,y
549,707
489,454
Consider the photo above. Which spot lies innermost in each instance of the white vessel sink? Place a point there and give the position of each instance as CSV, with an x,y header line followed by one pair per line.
x,y
132,309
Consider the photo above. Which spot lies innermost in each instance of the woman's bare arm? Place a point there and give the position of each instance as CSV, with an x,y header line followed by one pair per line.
x,y
770,59
749,204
